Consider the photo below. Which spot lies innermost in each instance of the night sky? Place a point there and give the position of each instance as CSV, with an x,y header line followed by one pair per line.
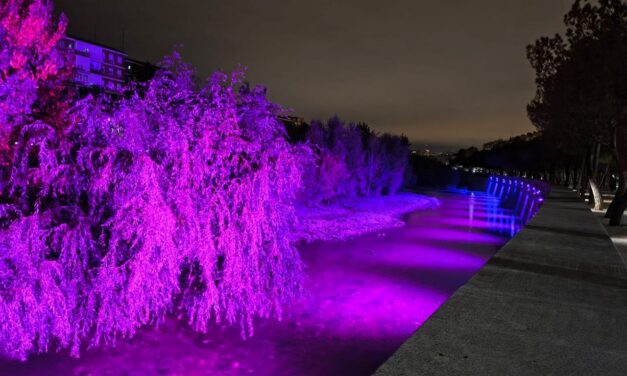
x,y
445,73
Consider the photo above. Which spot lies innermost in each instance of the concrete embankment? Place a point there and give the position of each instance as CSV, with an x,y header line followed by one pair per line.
x,y
552,301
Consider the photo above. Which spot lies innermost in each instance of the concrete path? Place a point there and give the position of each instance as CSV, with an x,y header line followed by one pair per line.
x,y
551,301
618,234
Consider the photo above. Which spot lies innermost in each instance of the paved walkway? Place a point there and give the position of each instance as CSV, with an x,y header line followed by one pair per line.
x,y
551,301
618,234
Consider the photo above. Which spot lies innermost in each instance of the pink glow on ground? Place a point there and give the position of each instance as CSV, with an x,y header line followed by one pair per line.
x,y
367,296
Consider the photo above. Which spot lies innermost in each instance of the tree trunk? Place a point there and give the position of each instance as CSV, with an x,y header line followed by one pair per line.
x,y
617,194
619,203
572,175
594,192
621,184
583,176
603,182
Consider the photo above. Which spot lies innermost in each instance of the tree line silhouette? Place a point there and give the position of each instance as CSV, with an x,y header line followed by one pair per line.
x,y
579,108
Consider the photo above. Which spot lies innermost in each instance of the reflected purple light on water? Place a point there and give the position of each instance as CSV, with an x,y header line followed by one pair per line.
x,y
481,223
448,235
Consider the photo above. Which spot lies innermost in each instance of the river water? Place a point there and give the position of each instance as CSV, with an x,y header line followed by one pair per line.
x,y
367,296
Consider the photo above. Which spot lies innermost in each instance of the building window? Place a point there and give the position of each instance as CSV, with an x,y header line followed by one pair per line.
x,y
81,77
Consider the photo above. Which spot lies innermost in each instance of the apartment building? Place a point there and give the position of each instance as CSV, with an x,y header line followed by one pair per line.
x,y
95,65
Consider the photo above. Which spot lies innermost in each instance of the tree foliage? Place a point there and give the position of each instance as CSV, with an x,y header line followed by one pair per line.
x,y
177,199
578,92
531,153
30,67
352,160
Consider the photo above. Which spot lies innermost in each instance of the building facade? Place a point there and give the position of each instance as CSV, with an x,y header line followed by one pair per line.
x,y
95,66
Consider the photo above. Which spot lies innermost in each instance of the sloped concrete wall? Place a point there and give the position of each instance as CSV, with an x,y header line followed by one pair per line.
x,y
552,301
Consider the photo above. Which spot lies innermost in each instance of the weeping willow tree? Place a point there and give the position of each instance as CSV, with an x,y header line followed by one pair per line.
x,y
175,199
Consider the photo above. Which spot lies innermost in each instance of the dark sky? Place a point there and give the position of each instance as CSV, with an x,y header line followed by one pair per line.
x,y
442,72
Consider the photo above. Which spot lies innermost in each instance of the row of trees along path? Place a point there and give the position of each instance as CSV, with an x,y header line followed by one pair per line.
x,y
581,93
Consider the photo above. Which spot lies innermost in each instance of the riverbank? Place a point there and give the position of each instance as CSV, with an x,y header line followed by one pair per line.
x,y
357,216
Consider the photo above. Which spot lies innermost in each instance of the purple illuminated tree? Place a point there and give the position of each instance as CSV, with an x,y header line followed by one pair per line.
x,y
30,66
353,160
175,200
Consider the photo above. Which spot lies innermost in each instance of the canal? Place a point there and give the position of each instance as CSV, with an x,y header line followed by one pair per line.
x,y
366,296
